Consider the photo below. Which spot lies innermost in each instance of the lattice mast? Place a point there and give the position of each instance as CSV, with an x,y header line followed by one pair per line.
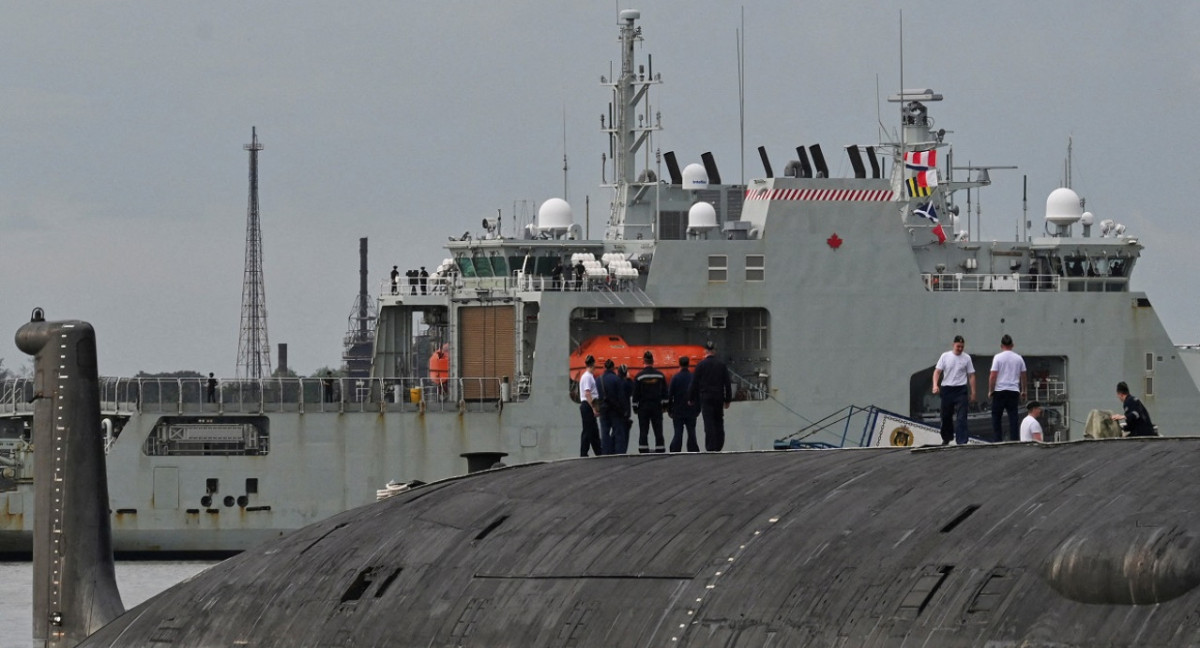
x,y
254,351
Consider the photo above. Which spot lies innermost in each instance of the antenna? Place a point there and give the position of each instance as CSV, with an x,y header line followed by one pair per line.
x,y
254,352
741,69
1025,206
566,196
900,158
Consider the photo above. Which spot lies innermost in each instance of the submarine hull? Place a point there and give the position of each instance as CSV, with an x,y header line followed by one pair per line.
x,y
1076,544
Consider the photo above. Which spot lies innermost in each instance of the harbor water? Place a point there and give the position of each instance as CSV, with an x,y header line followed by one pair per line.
x,y
137,580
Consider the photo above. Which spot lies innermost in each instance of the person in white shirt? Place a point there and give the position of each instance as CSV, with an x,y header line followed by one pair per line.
x,y
1031,430
589,409
952,375
1006,388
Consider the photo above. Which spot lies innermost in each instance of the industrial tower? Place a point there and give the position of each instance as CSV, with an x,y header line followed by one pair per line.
x,y
254,351
359,343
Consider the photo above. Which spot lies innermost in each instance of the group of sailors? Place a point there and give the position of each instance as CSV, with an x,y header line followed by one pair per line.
x,y
416,279
954,381
608,404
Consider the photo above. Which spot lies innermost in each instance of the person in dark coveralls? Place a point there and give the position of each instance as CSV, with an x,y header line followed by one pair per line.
x,y
424,281
412,281
327,381
621,441
712,390
589,410
649,396
951,376
683,414
211,388
612,415
1136,418
395,280
579,275
556,276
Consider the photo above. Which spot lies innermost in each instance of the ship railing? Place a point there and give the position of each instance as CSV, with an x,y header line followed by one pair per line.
x,y
748,389
1047,390
970,282
837,425
598,280
433,285
16,396
190,395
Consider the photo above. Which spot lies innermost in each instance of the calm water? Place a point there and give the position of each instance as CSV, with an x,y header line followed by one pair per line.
x,y
137,581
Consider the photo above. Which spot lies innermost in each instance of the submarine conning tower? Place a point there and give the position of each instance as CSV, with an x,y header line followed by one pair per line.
x,y
1072,544
74,582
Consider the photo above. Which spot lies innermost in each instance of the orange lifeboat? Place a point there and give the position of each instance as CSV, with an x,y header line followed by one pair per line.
x,y
603,347
439,366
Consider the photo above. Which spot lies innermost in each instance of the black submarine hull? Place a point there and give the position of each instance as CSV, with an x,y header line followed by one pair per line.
x,y
1079,544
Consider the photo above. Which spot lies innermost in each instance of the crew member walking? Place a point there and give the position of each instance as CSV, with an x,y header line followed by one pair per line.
x,y
649,396
1006,387
954,370
712,390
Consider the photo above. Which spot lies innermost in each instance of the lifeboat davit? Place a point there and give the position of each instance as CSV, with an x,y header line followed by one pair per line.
x,y
603,347
439,366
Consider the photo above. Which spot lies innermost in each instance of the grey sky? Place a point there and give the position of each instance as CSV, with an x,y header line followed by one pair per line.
x,y
123,181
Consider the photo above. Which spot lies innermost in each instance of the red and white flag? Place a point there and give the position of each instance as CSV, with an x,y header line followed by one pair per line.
x,y
921,160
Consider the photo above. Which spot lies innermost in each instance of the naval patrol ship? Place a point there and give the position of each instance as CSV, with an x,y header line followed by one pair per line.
x,y
822,294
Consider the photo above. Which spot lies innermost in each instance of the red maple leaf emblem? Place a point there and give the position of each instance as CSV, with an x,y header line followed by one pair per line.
x,y
834,241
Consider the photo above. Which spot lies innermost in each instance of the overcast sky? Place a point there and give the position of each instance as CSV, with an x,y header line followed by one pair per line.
x,y
123,182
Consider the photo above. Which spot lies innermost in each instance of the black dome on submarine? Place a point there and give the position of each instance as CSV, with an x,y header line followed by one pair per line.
x,y
1078,544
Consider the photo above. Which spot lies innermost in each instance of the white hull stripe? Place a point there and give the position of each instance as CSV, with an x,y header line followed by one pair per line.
x,y
821,194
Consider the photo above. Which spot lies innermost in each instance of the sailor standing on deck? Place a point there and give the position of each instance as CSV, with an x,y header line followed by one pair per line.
x,y
1006,385
713,392
649,395
612,414
683,414
954,370
589,409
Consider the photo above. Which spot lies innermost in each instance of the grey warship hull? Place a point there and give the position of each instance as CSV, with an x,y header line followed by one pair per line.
x,y
818,292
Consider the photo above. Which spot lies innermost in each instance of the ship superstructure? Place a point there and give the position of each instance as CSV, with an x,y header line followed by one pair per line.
x,y
819,292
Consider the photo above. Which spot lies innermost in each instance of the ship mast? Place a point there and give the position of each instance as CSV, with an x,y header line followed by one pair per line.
x,y
629,128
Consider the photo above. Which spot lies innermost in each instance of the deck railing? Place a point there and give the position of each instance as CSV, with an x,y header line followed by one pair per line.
x,y
191,395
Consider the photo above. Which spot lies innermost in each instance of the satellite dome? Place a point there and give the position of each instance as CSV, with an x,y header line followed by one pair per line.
x,y
695,177
1062,207
554,214
1087,219
702,216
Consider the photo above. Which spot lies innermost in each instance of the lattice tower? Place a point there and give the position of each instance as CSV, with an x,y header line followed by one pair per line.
x,y
254,350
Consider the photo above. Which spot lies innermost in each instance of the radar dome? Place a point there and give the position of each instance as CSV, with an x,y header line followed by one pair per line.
x,y
702,216
1062,207
695,177
1087,219
554,214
